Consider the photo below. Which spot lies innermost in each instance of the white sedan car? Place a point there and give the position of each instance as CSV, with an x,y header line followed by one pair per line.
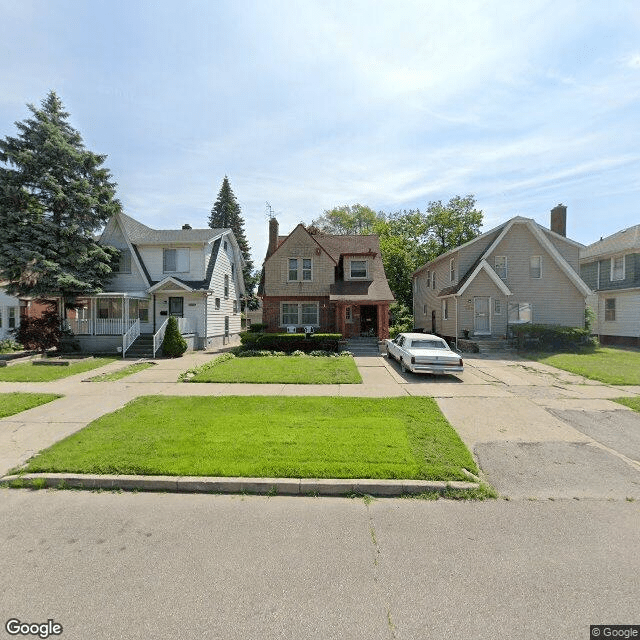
x,y
423,353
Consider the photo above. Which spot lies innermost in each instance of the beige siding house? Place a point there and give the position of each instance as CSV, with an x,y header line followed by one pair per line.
x,y
192,274
518,272
330,283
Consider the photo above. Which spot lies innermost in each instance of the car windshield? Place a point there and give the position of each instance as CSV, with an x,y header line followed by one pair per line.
x,y
428,344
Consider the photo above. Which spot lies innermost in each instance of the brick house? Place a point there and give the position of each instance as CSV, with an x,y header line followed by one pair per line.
x,y
333,283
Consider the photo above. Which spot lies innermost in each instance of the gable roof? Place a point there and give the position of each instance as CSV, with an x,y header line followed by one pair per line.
x,y
539,232
615,243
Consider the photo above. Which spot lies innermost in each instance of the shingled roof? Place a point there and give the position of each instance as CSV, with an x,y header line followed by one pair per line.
x,y
618,242
139,233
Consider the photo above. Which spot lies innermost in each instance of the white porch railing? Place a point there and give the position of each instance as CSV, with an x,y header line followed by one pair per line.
x,y
158,337
129,338
100,326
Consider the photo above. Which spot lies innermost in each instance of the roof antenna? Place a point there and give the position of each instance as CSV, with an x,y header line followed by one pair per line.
x,y
270,213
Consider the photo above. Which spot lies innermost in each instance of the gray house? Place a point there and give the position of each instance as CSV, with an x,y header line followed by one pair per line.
x,y
611,267
518,272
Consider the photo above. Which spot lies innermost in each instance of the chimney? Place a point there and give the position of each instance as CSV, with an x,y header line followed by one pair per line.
x,y
559,219
186,226
273,236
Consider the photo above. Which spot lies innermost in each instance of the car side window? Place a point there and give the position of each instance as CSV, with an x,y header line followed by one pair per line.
x,y
401,341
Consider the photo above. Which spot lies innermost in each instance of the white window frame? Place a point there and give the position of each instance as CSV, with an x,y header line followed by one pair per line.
x,y
445,309
498,270
366,269
217,304
301,321
532,268
226,286
610,312
13,315
182,260
428,279
433,280
612,276
452,270
303,269
497,307
519,305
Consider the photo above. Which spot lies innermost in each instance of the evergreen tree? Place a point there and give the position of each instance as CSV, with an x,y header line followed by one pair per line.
x,y
54,194
226,214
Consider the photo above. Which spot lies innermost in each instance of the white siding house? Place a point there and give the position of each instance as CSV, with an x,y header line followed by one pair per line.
x,y
9,314
192,274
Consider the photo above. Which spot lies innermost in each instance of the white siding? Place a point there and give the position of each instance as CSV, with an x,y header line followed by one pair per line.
x,y
627,322
152,256
215,317
8,302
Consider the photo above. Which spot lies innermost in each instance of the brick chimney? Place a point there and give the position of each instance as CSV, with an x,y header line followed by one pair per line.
x,y
559,219
273,236
186,226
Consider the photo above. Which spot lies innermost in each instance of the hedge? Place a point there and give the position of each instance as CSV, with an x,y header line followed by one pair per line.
x,y
546,337
289,342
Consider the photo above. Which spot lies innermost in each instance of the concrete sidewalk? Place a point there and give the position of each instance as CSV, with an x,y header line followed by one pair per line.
x,y
495,401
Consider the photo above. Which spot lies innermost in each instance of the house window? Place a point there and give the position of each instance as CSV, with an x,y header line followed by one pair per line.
x,y
424,309
299,313
358,268
143,310
225,245
347,314
175,260
293,268
452,269
501,266
535,266
226,286
610,310
13,314
445,309
428,279
233,268
295,264
217,304
124,264
497,307
520,312
109,308
617,268
433,280
306,269
235,306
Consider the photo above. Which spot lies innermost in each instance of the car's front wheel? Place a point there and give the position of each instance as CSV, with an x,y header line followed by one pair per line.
x,y
389,354
403,367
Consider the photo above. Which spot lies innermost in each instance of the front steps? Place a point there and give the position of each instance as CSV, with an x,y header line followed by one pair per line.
x,y
362,347
489,344
142,347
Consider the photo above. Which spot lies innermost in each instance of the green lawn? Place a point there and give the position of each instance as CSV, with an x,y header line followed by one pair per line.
x,y
28,372
307,437
608,365
122,373
283,369
633,403
12,403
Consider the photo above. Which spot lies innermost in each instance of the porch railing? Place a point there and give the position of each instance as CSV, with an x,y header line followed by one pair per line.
x,y
100,326
158,337
130,336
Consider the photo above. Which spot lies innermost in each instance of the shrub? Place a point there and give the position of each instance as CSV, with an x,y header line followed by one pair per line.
x,y
543,337
8,345
258,327
173,345
40,333
289,342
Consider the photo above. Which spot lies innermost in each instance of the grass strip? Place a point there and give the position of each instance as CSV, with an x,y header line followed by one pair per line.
x,y
27,372
12,403
307,437
122,373
605,364
632,403
282,370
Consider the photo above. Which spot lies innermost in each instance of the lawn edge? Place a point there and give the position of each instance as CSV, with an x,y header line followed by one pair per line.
x,y
259,486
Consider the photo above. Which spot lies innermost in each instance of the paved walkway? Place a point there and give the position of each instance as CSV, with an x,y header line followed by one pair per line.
x,y
536,431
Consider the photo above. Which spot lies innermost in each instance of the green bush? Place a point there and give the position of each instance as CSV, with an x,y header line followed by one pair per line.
x,y
173,345
541,337
8,345
289,342
258,327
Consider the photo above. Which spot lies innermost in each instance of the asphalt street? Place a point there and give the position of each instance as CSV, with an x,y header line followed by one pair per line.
x,y
109,566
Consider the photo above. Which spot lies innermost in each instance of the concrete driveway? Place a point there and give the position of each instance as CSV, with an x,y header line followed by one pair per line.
x,y
536,431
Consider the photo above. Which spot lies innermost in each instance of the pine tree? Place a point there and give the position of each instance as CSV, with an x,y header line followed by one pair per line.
x,y
226,214
54,195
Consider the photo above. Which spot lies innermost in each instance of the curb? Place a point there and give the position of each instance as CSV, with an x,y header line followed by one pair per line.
x,y
259,486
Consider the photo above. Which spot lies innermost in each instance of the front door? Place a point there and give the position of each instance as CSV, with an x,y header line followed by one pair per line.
x,y
481,324
176,307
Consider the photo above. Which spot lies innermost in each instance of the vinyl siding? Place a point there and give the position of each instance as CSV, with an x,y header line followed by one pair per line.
x,y
215,318
567,250
631,273
423,296
482,285
627,322
152,256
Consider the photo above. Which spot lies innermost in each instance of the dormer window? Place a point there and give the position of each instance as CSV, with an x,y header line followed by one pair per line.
x,y
175,260
358,269
300,269
617,268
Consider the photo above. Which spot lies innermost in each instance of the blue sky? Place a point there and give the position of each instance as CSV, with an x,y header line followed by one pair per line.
x,y
310,105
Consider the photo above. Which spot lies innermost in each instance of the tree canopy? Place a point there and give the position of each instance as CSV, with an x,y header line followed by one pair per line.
x,y
408,238
226,214
54,195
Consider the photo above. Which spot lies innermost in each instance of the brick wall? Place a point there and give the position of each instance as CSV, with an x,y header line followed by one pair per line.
x,y
271,312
